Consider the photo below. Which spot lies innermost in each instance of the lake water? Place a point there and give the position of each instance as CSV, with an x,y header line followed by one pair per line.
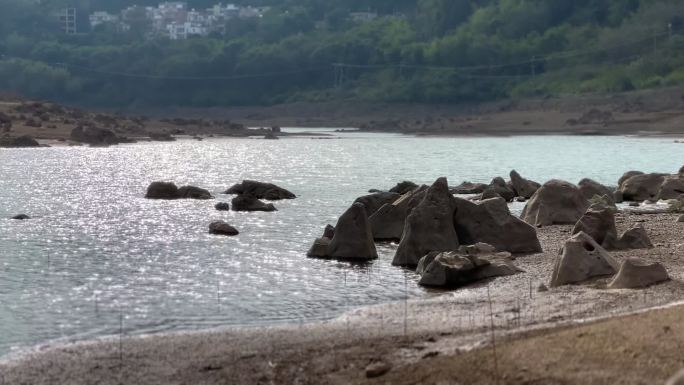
x,y
96,250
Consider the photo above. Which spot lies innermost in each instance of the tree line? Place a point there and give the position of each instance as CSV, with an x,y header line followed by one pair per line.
x,y
422,51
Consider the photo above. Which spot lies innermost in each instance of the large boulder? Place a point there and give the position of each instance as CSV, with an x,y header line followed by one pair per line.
x,y
642,187
458,268
672,187
248,202
469,188
222,228
555,203
523,187
628,175
353,239
168,190
260,190
635,274
580,259
403,187
429,227
387,224
591,188
598,223
19,142
491,222
499,188
93,135
374,202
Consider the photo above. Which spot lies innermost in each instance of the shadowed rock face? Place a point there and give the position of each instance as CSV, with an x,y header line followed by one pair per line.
x,y
555,203
523,187
642,187
498,188
626,176
635,273
247,202
374,202
403,187
260,190
598,224
672,187
387,224
429,227
580,259
491,222
353,239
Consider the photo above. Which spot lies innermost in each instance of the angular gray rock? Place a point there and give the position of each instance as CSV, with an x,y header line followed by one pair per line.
x,y
222,228
635,238
458,268
387,224
598,224
555,203
498,186
591,188
329,232
261,190
672,187
429,227
635,274
628,175
247,202
374,202
523,187
353,239
403,187
319,249
491,222
469,188
580,259
642,187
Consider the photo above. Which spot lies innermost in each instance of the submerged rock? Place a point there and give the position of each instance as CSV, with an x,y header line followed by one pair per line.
x,y
387,224
523,187
429,227
222,206
635,273
21,217
192,192
491,222
168,190
580,259
222,228
248,202
555,203
374,202
260,190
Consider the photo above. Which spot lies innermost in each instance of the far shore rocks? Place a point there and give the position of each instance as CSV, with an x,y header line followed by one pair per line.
x,y
555,203
490,221
19,142
222,228
169,191
248,202
429,227
375,201
94,135
351,240
636,274
261,190
580,259
467,265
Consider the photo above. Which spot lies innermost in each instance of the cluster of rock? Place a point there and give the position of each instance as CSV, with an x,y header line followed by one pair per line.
x,y
249,194
638,186
169,191
518,188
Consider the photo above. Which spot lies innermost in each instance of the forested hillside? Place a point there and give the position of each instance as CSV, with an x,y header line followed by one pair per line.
x,y
423,51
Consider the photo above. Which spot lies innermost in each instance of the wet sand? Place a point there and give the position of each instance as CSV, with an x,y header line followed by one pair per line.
x,y
440,340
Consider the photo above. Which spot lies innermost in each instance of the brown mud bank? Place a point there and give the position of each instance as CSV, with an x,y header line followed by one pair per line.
x,y
444,339
654,112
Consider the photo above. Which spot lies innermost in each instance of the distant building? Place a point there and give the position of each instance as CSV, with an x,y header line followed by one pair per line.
x,y
99,18
362,17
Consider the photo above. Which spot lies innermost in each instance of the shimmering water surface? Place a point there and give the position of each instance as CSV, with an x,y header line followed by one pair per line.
x,y
96,250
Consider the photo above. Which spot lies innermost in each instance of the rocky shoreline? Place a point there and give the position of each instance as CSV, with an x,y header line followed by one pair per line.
x,y
605,254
